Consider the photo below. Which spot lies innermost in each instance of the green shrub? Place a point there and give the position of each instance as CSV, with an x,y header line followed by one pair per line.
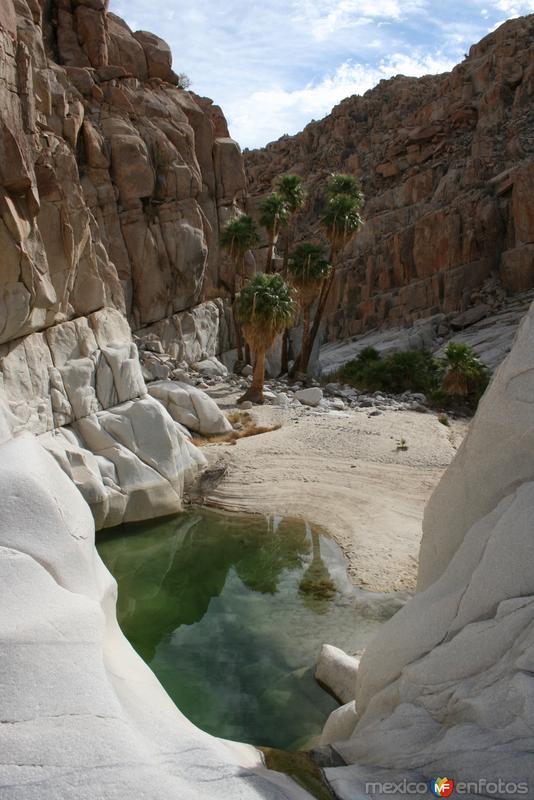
x,y
455,382
410,370
368,354
464,374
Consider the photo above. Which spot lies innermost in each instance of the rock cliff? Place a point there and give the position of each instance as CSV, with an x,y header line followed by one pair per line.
x,y
447,167
114,182
446,687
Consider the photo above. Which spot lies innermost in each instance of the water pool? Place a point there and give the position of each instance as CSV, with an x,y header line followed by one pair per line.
x,y
230,612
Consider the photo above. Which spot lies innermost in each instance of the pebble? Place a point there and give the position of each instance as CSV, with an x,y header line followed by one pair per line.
x,y
338,404
281,400
310,397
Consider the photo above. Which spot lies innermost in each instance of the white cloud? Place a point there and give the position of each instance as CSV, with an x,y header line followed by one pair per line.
x,y
329,17
265,115
514,8
274,65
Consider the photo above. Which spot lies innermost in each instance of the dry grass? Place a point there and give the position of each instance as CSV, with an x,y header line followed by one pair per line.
x,y
250,428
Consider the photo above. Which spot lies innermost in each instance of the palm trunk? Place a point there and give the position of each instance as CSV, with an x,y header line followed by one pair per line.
x,y
305,322
270,254
255,392
288,239
240,279
238,338
242,270
309,340
284,366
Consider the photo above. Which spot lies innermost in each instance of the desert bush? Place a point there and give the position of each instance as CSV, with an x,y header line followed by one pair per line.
x,y
455,382
184,81
409,370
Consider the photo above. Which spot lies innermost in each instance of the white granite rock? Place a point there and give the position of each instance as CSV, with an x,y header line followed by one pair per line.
x,y
72,370
446,686
119,353
281,399
338,404
82,715
191,407
28,376
340,724
120,448
130,463
210,368
190,336
337,671
495,458
310,397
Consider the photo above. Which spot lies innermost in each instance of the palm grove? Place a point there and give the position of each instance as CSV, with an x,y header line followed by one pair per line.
x,y
265,305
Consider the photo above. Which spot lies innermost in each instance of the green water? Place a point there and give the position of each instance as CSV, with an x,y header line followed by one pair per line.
x,y
230,612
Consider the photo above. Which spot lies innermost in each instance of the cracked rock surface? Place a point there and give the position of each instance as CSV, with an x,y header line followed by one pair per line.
x,y
447,685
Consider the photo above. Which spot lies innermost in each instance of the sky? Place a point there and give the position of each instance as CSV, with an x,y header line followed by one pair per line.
x,y
275,65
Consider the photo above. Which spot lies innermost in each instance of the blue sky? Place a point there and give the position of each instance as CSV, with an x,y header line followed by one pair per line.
x,y
275,65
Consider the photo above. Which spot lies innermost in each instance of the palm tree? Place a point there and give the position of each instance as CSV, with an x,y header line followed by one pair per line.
x,y
341,183
273,216
264,307
237,237
341,221
464,373
290,188
308,268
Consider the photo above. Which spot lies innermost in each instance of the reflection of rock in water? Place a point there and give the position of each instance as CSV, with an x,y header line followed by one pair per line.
x,y
212,602
175,567
316,583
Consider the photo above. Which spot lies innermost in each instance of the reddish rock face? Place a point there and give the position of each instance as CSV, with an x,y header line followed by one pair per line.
x,y
447,167
113,181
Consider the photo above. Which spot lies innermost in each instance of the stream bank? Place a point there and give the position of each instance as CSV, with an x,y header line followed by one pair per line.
x,y
343,471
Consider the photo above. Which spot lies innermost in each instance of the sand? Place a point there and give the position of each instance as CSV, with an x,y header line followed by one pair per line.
x,y
343,472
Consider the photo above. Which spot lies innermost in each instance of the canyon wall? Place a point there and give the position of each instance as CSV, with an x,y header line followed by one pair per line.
x,y
447,168
114,182
446,687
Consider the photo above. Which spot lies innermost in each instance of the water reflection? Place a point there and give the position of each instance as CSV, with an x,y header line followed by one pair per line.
x,y
169,570
316,585
230,612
